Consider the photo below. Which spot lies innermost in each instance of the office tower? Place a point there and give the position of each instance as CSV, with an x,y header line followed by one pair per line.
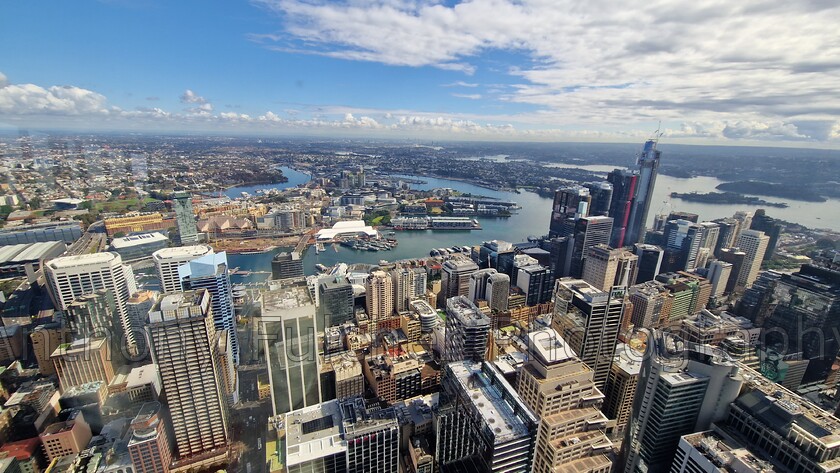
x,y
211,272
628,268
714,451
83,361
478,284
45,339
757,301
601,196
286,266
718,274
744,220
403,283
181,337
736,258
467,330
683,388
559,254
184,217
137,310
648,163
589,320
805,316
70,277
379,297
168,260
728,230
455,278
94,315
559,389
537,282
772,228
624,183
481,422
148,446
685,239
336,305
341,436
291,346
599,268
650,261
569,202
677,215
691,293
754,244
621,387
498,292
589,231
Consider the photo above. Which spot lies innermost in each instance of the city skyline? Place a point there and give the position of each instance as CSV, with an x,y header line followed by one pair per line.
x,y
475,70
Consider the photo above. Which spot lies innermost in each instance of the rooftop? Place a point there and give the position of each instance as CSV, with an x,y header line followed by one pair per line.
x,y
182,252
346,227
64,262
313,432
549,346
134,240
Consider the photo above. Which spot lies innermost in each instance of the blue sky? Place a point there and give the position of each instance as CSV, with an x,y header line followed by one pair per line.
x,y
754,72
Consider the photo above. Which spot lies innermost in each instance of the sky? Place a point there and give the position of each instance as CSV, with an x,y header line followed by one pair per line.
x,y
702,72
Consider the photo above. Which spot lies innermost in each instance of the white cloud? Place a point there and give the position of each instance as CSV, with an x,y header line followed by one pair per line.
x,y
191,97
460,83
468,96
30,99
3,80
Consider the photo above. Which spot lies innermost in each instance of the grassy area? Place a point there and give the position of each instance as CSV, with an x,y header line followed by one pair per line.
x,y
122,205
377,220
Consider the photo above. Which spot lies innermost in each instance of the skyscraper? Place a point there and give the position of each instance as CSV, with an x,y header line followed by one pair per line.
x,y
600,267
754,244
537,282
83,361
481,422
182,335
379,298
569,202
772,228
70,277
589,231
652,303
558,388
498,291
168,260
478,284
148,445
621,387
335,303
137,310
286,265
589,319
455,278
624,183
403,283
683,388
648,162
184,217
211,272
467,330
601,196
650,261
719,273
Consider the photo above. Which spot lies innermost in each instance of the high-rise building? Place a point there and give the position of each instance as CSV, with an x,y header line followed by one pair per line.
x,y
182,336
601,196
137,310
718,274
650,261
691,293
682,388
455,278
677,215
736,258
771,227
648,163
185,218
66,437
467,330
291,346
168,260
589,232
714,451
537,282
83,361
599,268
379,297
94,315
421,279
149,446
211,272
685,239
498,291
45,339
624,183
757,301
589,320
621,387
336,303
478,284
70,277
286,266
341,436
403,283
728,230
481,422
558,388
754,244
652,303
569,202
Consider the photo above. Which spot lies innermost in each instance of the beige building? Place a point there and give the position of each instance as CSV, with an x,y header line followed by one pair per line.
x,y
67,437
45,339
379,300
600,266
83,361
560,390
754,244
621,387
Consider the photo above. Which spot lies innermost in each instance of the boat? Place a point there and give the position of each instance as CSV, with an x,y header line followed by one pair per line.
x,y
320,267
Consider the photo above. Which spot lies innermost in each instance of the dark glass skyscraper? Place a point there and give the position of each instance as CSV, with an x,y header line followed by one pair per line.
x,y
632,193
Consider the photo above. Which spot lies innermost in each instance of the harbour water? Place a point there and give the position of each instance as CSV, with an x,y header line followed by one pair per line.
x,y
531,219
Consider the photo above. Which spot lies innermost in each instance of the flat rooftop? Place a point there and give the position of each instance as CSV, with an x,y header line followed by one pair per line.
x,y
548,345
136,240
313,432
182,252
65,262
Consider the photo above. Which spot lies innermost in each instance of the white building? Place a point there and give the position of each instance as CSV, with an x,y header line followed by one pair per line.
x,y
168,260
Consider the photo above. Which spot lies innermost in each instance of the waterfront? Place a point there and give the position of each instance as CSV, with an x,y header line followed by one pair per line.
x,y
294,177
531,219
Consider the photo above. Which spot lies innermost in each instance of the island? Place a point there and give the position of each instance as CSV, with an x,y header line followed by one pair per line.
x,y
786,191
725,198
